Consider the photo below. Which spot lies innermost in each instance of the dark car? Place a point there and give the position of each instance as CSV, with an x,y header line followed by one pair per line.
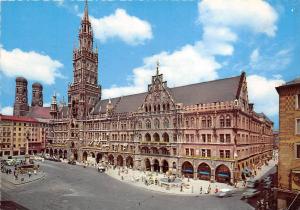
x,y
72,162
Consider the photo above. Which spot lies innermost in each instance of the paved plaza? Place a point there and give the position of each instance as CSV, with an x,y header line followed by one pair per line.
x,y
75,187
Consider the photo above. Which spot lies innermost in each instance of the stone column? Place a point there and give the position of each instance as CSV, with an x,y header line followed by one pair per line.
x,y
161,169
152,168
212,175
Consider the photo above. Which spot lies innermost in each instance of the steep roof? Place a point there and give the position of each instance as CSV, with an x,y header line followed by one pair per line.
x,y
205,92
295,82
17,118
39,112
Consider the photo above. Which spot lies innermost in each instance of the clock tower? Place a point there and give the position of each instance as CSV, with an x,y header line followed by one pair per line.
x,y
84,91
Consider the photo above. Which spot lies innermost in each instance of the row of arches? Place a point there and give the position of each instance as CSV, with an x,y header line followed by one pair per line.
x,y
119,161
155,150
57,153
204,172
156,137
157,107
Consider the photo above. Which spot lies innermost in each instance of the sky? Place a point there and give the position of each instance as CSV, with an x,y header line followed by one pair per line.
x,y
194,41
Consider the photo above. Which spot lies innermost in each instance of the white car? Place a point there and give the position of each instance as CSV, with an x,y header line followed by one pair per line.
x,y
249,193
37,158
225,192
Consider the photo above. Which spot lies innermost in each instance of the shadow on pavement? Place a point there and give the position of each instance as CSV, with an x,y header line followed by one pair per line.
x,y
11,205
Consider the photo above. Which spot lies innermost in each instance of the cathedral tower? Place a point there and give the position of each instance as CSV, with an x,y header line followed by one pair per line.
x,y
84,91
37,94
21,100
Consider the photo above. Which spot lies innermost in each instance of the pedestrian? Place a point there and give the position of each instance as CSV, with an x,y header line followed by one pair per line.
x,y
29,174
216,190
181,188
200,190
208,189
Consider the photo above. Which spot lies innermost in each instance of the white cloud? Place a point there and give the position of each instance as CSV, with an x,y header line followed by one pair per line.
x,y
121,25
30,65
220,20
262,92
257,15
181,67
7,110
254,56
47,104
270,61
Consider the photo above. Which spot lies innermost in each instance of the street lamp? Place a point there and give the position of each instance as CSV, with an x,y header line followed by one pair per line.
x,y
26,149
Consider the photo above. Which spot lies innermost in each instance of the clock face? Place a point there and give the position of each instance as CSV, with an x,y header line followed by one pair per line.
x,y
40,103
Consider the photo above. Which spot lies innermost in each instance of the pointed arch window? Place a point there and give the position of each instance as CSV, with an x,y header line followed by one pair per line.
x,y
228,121
140,125
222,121
156,123
203,122
166,123
187,122
209,122
168,106
192,122
148,124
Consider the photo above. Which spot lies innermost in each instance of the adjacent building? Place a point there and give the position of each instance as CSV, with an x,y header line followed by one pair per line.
x,y
207,130
17,131
29,124
289,145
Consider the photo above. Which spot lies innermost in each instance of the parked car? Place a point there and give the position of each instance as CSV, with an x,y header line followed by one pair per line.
x,y
250,193
224,193
267,179
38,158
252,183
72,162
101,169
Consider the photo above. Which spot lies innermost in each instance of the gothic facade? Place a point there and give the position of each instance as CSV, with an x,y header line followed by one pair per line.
x,y
207,130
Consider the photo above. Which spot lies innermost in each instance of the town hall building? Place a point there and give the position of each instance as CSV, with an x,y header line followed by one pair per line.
x,y
205,131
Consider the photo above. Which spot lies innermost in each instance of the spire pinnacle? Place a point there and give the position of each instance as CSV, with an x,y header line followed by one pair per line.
x,y
157,67
86,13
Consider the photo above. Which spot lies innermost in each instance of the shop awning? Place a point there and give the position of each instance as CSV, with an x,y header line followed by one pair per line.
x,y
204,173
223,175
188,171
296,170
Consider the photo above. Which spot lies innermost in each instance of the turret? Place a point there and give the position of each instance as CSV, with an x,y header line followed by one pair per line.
x,y
21,107
54,107
37,94
109,108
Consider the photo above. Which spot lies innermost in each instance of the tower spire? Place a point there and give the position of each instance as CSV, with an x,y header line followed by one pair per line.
x,y
86,12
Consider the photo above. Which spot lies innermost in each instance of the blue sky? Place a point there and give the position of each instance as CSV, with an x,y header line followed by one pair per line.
x,y
194,41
